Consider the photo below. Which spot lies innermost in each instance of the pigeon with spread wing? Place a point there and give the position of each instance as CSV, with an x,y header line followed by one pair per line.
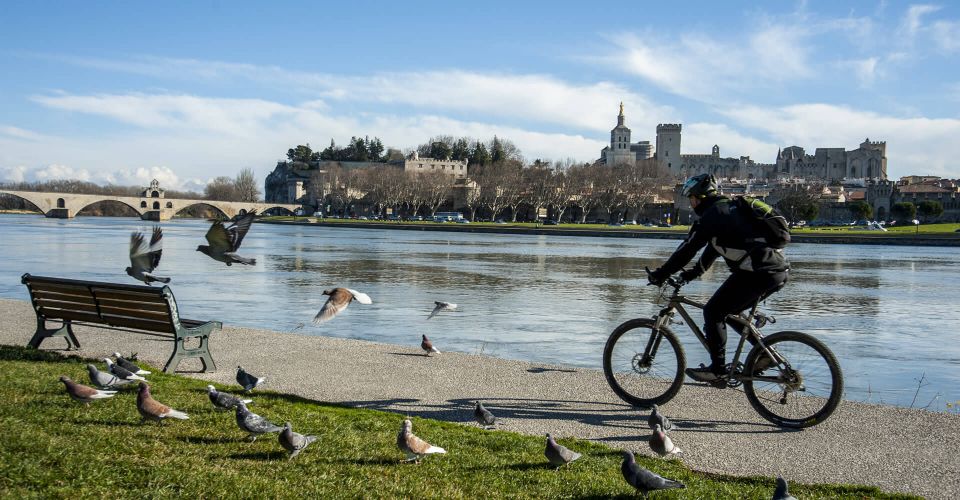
x,y
144,257
225,241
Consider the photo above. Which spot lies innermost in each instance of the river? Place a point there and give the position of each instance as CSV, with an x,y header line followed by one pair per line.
x,y
889,313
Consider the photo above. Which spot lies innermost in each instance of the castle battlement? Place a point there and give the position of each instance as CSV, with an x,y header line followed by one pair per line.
x,y
669,126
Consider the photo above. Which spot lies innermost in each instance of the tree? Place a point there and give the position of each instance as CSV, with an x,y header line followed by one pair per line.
x,y
904,211
440,150
246,186
375,149
497,153
798,204
930,209
861,210
479,156
460,150
222,189
302,153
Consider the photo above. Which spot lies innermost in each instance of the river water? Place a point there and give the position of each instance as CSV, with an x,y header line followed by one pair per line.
x,y
889,313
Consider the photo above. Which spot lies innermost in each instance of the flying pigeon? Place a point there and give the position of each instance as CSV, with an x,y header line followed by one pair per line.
x,y
339,299
781,493
222,400
441,306
83,393
413,446
427,346
145,258
253,423
152,409
105,380
559,454
248,381
483,416
657,418
661,443
121,371
225,241
642,479
293,442
129,366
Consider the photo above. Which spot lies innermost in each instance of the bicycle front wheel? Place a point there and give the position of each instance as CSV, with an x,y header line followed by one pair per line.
x,y
643,366
801,396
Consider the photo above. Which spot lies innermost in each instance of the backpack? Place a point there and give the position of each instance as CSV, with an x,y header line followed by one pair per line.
x,y
765,220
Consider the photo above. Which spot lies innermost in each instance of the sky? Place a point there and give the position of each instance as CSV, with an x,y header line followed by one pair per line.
x,y
124,92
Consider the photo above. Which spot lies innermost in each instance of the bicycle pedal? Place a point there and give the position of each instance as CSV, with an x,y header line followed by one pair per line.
x,y
719,383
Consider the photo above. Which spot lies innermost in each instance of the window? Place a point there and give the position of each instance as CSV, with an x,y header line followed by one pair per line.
x,y
156,205
155,194
169,204
143,204
61,203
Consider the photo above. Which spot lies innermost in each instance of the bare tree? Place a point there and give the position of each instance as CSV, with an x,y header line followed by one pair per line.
x,y
434,189
221,188
538,183
247,188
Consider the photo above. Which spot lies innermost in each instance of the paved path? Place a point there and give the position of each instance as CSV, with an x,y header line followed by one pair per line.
x,y
718,430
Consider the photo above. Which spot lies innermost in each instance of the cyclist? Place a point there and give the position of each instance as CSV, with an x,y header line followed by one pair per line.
x,y
756,269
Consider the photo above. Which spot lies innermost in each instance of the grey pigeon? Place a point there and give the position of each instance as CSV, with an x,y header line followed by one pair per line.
x,y
661,443
225,241
483,416
427,346
657,418
151,409
413,446
105,380
781,493
84,394
222,400
129,365
559,454
121,371
293,442
441,306
253,423
248,381
339,299
642,479
144,258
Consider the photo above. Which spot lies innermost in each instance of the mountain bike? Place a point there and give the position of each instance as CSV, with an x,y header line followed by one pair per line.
x,y
790,378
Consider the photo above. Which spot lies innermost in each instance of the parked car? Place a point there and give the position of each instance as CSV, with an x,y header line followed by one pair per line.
x,y
664,224
499,221
318,214
462,221
550,222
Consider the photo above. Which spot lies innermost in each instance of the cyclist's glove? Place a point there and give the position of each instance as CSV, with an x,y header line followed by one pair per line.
x,y
688,275
657,276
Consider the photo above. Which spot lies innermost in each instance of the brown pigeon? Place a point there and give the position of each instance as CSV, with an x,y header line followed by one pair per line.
x,y
427,346
339,299
152,409
225,241
413,446
84,394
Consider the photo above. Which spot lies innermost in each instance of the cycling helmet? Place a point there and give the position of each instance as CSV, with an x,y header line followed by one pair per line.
x,y
700,186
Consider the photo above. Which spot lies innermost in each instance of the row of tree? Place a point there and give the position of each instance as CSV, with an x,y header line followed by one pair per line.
x,y
243,187
445,147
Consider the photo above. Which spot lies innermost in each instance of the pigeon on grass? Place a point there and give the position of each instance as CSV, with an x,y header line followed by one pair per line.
x,y
129,365
339,299
106,380
247,381
558,454
83,393
782,493
223,401
225,241
657,418
483,416
661,443
120,371
252,423
144,257
294,442
427,346
412,446
441,306
642,479
151,409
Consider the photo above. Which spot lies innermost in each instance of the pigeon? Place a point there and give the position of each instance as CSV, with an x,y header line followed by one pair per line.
x,y
413,446
152,409
105,380
483,416
441,306
657,418
339,299
661,443
145,258
121,371
427,346
225,241
293,442
129,366
247,381
253,423
781,493
642,479
559,454
222,400
83,393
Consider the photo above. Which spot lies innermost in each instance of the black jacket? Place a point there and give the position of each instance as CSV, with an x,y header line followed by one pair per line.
x,y
725,233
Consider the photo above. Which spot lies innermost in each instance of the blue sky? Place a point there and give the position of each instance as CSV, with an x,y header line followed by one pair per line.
x,y
127,91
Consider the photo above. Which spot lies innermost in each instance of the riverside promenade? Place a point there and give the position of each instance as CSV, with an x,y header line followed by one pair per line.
x,y
896,449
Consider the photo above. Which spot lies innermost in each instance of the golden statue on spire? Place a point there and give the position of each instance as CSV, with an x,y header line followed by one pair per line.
x,y
621,108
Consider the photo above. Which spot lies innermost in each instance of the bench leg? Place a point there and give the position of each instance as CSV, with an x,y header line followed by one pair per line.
x,y
65,331
180,352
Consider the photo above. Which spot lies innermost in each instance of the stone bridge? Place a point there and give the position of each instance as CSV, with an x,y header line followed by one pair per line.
x,y
150,207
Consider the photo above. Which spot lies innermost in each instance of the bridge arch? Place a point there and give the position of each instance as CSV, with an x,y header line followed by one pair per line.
x,y
277,208
28,203
206,203
109,208
94,202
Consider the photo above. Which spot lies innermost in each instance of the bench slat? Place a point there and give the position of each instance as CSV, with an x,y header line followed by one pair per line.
x,y
135,313
51,313
138,323
146,296
69,306
76,295
59,288
157,307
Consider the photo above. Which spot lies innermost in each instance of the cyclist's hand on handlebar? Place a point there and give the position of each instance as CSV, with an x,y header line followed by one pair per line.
x,y
657,276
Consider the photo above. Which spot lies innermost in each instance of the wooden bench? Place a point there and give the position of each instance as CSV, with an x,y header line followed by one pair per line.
x,y
152,310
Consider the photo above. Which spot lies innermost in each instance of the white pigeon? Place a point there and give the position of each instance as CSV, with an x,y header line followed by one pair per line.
x,y
661,443
121,371
413,446
441,306
339,299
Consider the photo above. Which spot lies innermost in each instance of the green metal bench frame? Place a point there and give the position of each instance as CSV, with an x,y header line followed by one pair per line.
x,y
150,310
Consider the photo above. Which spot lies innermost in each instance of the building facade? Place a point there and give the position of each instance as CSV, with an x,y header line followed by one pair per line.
x,y
621,150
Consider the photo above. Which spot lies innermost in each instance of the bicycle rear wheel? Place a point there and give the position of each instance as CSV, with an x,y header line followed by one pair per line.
x,y
643,366
802,396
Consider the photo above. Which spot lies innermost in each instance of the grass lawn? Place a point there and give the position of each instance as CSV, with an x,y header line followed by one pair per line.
x,y
54,447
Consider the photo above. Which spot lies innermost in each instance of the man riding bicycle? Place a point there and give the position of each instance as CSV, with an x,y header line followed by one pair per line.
x,y
756,269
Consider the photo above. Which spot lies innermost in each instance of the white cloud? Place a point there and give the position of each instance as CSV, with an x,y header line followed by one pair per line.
x,y
19,133
17,173
866,70
55,171
699,138
913,19
946,34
